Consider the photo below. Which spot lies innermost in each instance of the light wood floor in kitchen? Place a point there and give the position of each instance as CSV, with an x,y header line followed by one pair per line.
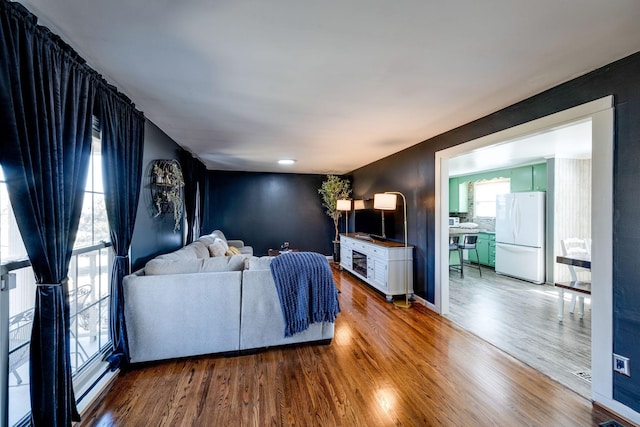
x,y
386,366
521,319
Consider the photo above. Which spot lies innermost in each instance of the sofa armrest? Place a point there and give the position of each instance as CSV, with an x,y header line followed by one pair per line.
x,y
237,243
178,315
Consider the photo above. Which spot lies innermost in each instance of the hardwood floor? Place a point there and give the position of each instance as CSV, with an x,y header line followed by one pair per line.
x,y
521,318
385,366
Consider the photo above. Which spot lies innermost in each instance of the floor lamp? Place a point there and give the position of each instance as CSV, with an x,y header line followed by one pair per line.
x,y
387,201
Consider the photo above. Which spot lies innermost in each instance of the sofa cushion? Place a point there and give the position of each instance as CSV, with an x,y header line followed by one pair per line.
x,y
169,256
223,263
207,240
259,263
180,254
190,252
201,250
217,248
166,266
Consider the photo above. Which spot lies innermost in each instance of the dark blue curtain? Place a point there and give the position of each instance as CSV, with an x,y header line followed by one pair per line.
x,y
122,148
193,171
46,101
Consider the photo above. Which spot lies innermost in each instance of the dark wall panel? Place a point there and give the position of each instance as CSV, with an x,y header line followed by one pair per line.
x,y
267,209
153,235
412,171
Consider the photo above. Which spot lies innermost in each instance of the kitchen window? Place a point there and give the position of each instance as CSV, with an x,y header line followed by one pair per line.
x,y
485,193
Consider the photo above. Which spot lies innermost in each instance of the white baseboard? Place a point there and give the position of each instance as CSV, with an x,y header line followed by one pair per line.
x,y
100,384
425,303
617,408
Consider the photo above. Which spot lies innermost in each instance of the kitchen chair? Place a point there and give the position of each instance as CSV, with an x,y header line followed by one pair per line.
x,y
453,247
575,246
469,243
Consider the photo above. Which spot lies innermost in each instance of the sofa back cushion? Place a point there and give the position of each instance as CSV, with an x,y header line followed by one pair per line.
x,y
182,266
180,254
219,234
259,263
201,250
223,263
166,266
207,240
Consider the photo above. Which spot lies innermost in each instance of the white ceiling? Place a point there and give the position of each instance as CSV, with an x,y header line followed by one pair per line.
x,y
333,84
571,142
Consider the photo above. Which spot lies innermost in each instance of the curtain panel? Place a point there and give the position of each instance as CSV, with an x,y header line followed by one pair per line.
x,y
194,172
122,149
46,102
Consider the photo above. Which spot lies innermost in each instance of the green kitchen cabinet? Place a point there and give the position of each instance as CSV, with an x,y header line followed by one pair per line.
x,y
454,195
458,195
492,252
522,179
463,196
540,177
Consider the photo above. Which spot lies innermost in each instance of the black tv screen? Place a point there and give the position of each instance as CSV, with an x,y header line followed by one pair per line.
x,y
369,221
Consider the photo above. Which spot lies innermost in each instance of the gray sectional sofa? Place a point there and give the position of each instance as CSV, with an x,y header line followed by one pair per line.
x,y
188,303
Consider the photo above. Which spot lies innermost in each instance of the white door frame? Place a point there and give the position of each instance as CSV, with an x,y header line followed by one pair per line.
x,y
601,114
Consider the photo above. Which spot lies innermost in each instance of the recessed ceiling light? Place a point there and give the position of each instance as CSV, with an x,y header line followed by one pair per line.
x,y
286,162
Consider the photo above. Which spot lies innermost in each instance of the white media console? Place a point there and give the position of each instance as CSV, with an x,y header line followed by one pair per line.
x,y
380,263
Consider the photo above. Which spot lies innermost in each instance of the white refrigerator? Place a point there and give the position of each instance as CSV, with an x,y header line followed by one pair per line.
x,y
520,231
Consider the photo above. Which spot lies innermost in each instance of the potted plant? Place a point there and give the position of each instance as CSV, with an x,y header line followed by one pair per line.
x,y
333,189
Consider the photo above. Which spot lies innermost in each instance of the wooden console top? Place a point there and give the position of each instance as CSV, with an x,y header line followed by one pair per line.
x,y
385,243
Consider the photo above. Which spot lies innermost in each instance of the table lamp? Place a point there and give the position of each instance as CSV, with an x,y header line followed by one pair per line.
x,y
345,206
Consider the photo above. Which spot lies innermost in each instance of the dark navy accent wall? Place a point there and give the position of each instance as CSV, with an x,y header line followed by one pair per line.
x,y
412,171
153,235
267,209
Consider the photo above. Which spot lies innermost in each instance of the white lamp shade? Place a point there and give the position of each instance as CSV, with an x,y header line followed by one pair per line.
x,y
385,202
343,205
358,205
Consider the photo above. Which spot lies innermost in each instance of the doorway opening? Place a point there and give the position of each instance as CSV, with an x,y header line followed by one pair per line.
x,y
600,115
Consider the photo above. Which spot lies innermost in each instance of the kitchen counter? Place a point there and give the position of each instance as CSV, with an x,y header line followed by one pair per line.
x,y
459,231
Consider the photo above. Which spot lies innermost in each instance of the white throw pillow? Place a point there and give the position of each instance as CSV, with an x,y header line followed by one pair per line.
x,y
224,243
217,248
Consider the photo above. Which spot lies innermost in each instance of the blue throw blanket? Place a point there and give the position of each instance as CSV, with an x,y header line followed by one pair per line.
x,y
306,290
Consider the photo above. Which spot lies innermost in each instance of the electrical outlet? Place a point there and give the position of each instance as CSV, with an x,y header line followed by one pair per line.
x,y
621,365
